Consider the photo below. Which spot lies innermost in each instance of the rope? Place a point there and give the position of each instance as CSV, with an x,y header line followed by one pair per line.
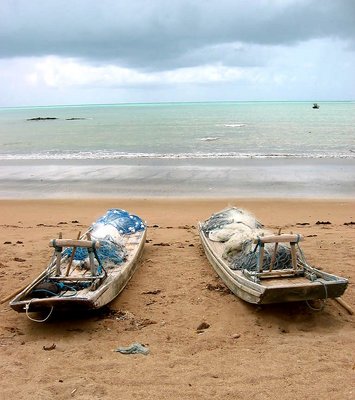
x,y
321,308
62,286
27,307
44,291
303,258
313,278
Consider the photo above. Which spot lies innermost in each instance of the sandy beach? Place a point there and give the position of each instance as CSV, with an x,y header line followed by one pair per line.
x,y
282,351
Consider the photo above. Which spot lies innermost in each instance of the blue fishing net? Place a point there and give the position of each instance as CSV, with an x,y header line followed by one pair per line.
x,y
107,252
110,251
122,220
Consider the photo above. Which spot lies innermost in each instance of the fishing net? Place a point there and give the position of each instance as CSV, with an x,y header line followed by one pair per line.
x,y
226,217
108,252
248,259
108,230
124,222
239,249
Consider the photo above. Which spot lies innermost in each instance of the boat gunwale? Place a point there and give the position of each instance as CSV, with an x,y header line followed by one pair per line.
x,y
247,288
91,298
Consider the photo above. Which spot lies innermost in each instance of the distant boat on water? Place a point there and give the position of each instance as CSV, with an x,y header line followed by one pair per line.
x,y
315,105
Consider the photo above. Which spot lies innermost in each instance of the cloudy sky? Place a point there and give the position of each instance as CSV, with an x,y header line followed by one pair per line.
x,y
117,51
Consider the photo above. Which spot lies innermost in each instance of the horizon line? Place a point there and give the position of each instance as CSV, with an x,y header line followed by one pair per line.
x,y
173,102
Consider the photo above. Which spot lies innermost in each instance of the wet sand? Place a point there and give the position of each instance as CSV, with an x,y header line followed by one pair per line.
x,y
282,351
180,177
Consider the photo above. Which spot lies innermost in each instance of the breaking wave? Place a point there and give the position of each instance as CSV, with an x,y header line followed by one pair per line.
x,y
112,155
234,125
210,138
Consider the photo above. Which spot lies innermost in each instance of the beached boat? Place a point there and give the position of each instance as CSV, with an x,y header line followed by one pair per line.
x,y
260,267
90,271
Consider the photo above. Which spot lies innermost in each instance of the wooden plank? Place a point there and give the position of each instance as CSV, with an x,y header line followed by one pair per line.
x,y
286,281
293,256
276,272
290,238
274,254
92,263
72,256
73,242
75,278
261,257
58,255
273,259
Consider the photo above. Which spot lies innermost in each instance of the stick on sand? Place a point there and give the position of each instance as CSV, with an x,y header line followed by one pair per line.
x,y
10,296
345,305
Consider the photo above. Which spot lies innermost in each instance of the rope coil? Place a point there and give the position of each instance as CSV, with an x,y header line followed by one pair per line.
x,y
27,308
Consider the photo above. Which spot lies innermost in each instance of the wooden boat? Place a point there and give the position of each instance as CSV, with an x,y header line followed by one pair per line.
x,y
264,284
90,271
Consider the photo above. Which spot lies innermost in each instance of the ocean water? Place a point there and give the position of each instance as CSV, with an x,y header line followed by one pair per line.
x,y
269,149
189,130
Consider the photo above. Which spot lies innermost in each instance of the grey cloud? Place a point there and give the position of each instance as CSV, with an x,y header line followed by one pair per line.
x,y
157,35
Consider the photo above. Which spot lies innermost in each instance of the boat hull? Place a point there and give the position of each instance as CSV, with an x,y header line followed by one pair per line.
x,y
286,290
107,291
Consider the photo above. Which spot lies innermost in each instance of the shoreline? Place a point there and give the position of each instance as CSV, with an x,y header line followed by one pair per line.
x,y
215,178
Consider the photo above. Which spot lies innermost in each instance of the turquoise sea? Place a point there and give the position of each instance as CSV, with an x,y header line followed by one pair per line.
x,y
191,130
178,149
